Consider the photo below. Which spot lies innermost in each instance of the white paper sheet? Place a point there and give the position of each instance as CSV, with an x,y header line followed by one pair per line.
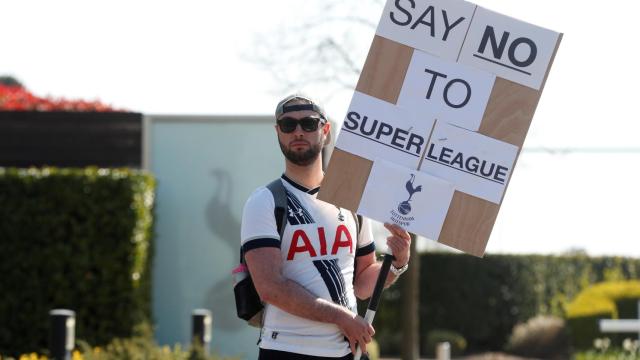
x,y
476,164
435,26
374,129
446,90
517,51
416,201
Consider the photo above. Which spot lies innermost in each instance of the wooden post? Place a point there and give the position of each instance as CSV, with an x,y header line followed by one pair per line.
x,y
411,306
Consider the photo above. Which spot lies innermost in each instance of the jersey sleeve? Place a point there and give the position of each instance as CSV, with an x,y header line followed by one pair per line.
x,y
366,245
258,227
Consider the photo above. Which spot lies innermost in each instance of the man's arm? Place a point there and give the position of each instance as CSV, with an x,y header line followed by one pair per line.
x,y
367,268
265,266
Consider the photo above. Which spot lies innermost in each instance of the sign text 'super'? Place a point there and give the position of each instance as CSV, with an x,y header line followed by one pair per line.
x,y
381,132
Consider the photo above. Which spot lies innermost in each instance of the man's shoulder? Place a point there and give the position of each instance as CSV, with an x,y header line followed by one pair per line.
x,y
258,219
260,196
263,196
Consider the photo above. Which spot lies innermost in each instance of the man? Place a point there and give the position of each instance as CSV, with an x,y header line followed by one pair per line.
x,y
306,278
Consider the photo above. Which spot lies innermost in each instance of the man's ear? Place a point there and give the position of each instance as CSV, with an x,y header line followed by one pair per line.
x,y
327,133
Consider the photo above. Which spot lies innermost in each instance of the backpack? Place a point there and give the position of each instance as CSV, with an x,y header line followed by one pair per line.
x,y
249,307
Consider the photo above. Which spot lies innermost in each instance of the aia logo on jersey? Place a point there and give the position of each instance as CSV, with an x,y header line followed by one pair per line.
x,y
300,243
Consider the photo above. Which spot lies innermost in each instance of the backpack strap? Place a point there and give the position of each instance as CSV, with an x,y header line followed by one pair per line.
x,y
358,219
280,209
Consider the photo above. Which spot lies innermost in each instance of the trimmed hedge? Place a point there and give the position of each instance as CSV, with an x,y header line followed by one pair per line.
x,y
608,300
483,299
77,239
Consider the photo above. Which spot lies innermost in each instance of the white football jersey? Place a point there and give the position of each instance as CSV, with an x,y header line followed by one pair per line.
x,y
318,249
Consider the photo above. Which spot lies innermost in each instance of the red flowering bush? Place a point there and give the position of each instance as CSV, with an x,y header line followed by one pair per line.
x,y
17,98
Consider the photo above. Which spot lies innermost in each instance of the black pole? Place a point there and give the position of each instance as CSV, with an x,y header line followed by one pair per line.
x,y
63,331
377,294
201,328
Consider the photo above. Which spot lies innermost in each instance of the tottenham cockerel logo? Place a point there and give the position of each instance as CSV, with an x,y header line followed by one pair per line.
x,y
405,207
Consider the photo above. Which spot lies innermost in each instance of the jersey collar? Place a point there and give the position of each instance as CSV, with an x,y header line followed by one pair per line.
x,y
300,187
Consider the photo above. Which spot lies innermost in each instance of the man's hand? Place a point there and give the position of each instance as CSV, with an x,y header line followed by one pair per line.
x,y
356,329
400,244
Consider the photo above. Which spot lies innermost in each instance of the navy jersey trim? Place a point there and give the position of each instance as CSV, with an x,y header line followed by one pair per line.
x,y
333,279
366,250
300,187
296,213
260,243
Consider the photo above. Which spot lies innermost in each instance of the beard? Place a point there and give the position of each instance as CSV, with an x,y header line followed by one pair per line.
x,y
301,158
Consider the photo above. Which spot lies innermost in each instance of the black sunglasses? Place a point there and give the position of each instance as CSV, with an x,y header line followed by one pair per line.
x,y
309,124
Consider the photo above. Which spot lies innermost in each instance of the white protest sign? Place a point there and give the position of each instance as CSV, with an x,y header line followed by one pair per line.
x,y
476,164
446,90
374,128
435,26
414,200
510,48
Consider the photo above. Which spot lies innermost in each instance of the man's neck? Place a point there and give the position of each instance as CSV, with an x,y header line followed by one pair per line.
x,y
309,176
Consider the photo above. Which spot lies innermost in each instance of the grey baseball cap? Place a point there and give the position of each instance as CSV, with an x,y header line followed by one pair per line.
x,y
312,106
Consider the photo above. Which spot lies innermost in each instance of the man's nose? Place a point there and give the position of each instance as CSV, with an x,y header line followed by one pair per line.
x,y
298,130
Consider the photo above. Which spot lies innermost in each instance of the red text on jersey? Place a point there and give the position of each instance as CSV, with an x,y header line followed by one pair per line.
x,y
300,242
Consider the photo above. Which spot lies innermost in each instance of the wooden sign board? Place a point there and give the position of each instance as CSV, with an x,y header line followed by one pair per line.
x,y
448,91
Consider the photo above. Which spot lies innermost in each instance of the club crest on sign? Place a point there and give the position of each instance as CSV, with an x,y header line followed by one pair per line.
x,y
401,216
405,207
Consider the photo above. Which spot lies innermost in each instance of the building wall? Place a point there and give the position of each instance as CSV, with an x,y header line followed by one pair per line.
x,y
206,167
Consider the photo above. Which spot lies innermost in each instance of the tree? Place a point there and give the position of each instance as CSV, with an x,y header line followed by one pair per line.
x,y
9,80
322,50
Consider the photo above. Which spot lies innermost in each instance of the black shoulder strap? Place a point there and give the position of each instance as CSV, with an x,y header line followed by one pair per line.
x,y
280,199
358,219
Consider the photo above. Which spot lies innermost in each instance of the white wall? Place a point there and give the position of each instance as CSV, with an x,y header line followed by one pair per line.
x,y
205,167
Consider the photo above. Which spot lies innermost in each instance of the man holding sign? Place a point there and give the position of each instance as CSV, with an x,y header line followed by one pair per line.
x,y
310,276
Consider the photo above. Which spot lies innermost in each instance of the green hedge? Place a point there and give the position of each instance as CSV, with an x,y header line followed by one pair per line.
x,y
77,239
483,299
607,300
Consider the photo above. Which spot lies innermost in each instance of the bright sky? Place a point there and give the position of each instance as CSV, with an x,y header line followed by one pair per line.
x,y
189,57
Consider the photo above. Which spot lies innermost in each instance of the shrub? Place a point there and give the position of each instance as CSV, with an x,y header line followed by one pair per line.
x,y
434,337
138,347
541,337
600,301
602,298
77,239
609,354
483,299
142,346
14,97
